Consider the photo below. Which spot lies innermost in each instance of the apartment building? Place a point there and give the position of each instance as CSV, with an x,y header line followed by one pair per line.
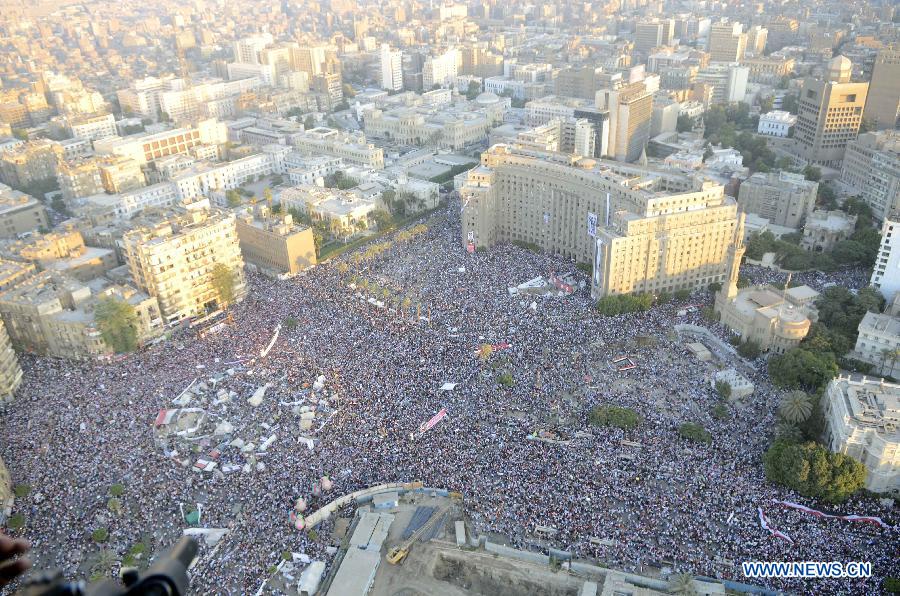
x,y
92,128
35,161
630,113
878,343
349,146
79,179
644,230
391,62
20,213
53,315
10,379
768,70
886,272
727,42
174,261
784,198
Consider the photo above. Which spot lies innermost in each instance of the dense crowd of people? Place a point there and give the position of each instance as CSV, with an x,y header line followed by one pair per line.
x,y
653,500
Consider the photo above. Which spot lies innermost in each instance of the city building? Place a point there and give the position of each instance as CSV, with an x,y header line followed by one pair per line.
x,y
871,169
174,261
53,315
878,343
92,127
768,70
344,212
776,123
886,272
727,80
391,68
653,34
824,229
78,179
247,49
727,42
883,100
829,115
440,70
861,421
352,147
274,242
10,379
64,252
20,213
644,230
775,319
630,113
784,198
146,147
35,161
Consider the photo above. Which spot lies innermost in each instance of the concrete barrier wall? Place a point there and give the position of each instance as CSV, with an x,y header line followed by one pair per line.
x,y
365,495
514,553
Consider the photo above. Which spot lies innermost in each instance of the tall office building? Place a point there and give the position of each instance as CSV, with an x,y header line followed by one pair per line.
x,y
391,68
756,40
829,115
883,102
247,50
644,230
784,198
309,59
886,272
871,169
440,70
630,112
727,42
653,34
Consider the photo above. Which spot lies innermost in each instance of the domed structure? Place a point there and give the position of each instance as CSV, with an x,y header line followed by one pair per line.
x,y
840,69
487,98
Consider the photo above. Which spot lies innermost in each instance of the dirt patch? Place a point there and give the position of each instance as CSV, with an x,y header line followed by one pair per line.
x,y
497,578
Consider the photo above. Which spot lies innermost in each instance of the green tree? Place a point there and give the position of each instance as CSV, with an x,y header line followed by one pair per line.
x,y
841,310
624,418
799,368
795,407
233,198
694,432
812,173
100,535
20,134
118,324
685,123
473,90
682,584
382,219
223,279
813,471
790,103
749,349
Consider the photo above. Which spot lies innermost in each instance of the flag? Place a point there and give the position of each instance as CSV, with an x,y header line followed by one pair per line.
x,y
434,420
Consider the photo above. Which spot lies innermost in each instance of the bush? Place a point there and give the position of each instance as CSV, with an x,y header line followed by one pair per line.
x,y
709,314
813,471
624,303
16,522
714,287
117,490
286,555
312,534
802,369
100,535
891,584
663,298
585,267
290,323
21,490
527,246
694,432
720,412
723,389
749,349
623,418
682,294
506,379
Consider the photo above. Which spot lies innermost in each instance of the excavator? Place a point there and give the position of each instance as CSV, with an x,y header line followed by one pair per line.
x,y
399,552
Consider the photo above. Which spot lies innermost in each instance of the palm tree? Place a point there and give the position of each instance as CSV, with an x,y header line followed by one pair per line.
x,y
683,584
795,407
788,432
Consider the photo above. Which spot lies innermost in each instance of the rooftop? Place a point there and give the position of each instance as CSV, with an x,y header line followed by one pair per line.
x,y
872,403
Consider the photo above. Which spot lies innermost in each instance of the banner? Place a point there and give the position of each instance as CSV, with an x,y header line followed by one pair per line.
x,y
434,420
764,522
265,352
877,521
592,224
471,236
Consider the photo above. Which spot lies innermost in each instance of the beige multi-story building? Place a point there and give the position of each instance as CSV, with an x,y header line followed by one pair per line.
x,y
774,319
52,314
143,148
630,113
883,101
79,179
6,490
65,252
10,379
20,213
351,147
275,242
12,273
727,42
784,198
878,343
768,70
861,420
174,261
829,115
121,174
35,161
644,230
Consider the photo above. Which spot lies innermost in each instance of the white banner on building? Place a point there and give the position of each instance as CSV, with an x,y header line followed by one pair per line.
x,y
546,218
592,224
471,236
